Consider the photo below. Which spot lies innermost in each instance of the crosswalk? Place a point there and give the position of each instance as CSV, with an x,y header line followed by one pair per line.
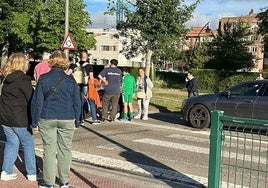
x,y
180,140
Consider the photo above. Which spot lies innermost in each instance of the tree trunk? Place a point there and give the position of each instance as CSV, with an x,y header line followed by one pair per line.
x,y
4,54
148,62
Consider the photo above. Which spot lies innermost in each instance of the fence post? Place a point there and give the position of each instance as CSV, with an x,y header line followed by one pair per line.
x,y
215,150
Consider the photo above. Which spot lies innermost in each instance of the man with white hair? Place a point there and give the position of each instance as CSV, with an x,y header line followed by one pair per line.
x,y
42,67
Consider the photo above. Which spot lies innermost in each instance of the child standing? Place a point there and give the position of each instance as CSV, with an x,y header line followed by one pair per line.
x,y
128,90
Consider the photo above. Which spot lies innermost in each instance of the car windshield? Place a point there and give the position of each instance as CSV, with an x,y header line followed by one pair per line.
x,y
246,89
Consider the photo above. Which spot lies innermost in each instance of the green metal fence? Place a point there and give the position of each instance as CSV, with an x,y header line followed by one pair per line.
x,y
238,154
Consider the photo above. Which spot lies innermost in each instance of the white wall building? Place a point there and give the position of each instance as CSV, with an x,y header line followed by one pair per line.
x,y
108,46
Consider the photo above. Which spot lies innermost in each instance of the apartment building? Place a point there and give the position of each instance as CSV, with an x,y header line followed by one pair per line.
x,y
256,48
199,34
108,46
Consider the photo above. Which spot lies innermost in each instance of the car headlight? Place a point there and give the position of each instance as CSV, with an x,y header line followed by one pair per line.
x,y
184,102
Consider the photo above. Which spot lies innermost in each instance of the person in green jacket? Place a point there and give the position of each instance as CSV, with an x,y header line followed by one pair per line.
x,y
128,90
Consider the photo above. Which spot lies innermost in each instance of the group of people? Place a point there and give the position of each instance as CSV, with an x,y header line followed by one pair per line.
x,y
55,107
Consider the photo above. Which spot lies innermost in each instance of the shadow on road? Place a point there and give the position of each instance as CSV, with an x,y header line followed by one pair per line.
x,y
174,118
155,168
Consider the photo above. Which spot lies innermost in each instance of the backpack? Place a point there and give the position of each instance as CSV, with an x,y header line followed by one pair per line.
x,y
80,74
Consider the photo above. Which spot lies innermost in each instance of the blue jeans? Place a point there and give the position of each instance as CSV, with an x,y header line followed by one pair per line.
x,y
83,91
92,106
16,136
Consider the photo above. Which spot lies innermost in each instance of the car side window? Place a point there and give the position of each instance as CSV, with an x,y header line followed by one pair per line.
x,y
247,89
265,93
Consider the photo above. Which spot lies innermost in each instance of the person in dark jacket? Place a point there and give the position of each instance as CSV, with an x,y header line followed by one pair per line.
x,y
191,85
15,116
56,116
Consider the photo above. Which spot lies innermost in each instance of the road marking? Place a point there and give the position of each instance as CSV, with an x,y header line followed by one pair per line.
x,y
151,125
202,150
137,168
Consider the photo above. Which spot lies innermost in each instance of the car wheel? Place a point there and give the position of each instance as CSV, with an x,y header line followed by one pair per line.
x,y
199,117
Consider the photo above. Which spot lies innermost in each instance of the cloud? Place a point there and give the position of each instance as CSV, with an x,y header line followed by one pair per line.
x,y
200,20
101,20
207,11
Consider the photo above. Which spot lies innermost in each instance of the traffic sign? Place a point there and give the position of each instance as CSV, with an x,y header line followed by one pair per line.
x,y
68,43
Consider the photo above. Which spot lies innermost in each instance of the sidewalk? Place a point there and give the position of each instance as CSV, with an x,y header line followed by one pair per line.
x,y
78,177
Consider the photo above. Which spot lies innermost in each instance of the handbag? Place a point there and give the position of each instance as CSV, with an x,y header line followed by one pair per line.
x,y
141,94
54,88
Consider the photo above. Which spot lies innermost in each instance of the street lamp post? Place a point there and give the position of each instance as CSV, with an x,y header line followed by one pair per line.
x,y
198,36
206,26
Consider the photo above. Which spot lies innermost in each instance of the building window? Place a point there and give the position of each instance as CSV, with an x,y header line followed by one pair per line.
x,y
253,49
104,48
114,48
253,37
105,61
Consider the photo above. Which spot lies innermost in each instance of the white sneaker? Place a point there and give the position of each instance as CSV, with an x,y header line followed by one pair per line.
x,y
66,185
117,115
145,118
31,177
6,177
137,117
96,122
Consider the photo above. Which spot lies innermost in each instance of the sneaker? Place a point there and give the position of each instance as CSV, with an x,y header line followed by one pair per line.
x,y
66,185
137,117
82,123
117,115
44,185
6,177
31,177
96,122
145,118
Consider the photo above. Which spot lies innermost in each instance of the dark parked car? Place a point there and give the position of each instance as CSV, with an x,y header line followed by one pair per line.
x,y
247,99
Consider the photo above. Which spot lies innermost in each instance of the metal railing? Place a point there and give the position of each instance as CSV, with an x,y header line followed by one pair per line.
x,y
238,154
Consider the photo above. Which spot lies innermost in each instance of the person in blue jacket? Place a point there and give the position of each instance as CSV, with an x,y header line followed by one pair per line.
x,y
56,116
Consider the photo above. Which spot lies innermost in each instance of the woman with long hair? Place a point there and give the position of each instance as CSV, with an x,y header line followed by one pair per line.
x,y
15,116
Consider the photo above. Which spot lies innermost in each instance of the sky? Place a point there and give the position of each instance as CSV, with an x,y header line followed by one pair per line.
x,y
207,11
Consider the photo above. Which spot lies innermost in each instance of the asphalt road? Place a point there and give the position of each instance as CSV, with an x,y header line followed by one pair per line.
x,y
161,149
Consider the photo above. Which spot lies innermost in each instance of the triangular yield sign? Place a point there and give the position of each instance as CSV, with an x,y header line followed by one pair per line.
x,y
68,43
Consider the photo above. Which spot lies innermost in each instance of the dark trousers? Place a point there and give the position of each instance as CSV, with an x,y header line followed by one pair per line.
x,y
191,94
110,99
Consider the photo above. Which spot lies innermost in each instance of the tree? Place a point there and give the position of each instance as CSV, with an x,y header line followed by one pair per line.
x,y
229,49
263,29
200,55
152,25
40,25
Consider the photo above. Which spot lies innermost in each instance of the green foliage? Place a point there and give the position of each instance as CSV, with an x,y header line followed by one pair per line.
x,y
170,79
229,49
40,25
152,25
209,81
201,56
263,28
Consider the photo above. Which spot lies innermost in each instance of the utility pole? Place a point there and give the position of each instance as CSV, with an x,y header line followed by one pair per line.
x,y
66,24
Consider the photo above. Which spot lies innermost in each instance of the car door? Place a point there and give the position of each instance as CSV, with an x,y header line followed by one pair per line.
x,y
260,109
239,100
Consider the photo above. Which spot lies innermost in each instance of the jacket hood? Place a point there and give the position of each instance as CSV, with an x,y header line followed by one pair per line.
x,y
13,76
